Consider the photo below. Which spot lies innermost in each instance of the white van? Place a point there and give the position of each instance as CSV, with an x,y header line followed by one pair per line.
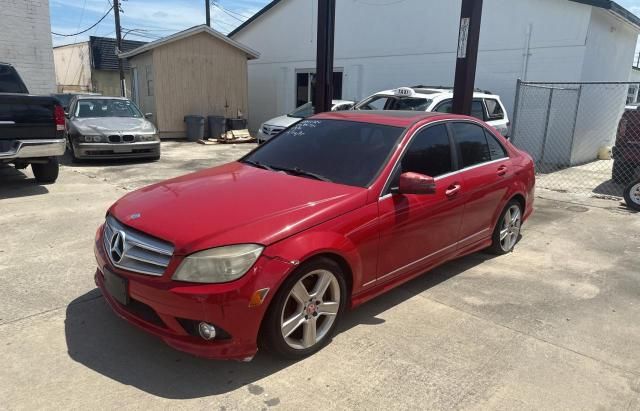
x,y
485,106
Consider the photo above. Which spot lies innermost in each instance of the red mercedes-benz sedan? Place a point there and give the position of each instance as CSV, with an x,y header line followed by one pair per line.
x,y
271,249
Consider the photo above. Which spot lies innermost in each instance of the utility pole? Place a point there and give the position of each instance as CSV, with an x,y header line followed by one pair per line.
x,y
116,14
207,5
324,55
468,41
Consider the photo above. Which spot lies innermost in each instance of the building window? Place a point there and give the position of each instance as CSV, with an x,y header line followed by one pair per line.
x,y
632,95
306,82
149,75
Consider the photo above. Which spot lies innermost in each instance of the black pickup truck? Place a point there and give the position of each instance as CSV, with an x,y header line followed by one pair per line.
x,y
31,127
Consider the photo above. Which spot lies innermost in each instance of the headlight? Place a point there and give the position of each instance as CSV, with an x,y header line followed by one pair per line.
x,y
218,265
91,139
147,137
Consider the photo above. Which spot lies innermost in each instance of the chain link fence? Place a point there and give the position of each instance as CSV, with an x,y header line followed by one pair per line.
x,y
583,137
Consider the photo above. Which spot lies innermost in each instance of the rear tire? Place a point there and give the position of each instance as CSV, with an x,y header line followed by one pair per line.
x,y
632,195
309,321
46,173
507,229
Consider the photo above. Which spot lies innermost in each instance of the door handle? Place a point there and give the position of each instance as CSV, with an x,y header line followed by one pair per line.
x,y
453,189
502,170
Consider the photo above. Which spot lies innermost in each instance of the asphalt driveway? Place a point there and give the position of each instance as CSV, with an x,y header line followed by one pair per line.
x,y
553,325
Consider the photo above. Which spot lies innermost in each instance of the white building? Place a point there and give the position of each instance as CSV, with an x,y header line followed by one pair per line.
x,y
383,44
25,42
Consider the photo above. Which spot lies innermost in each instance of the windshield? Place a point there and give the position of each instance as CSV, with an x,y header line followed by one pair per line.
x,y
86,108
394,103
303,111
344,152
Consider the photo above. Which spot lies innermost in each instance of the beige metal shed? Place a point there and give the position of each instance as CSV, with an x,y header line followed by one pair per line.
x,y
196,71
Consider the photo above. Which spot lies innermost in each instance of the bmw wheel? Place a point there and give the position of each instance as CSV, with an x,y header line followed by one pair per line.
x,y
507,230
304,314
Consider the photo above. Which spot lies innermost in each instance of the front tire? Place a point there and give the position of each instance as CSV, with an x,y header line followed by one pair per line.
x,y
46,173
507,230
304,313
632,195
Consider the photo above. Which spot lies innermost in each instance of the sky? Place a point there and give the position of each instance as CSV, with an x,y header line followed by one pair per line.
x,y
152,19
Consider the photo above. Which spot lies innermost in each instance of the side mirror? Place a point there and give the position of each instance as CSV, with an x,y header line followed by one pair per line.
x,y
415,183
66,114
148,115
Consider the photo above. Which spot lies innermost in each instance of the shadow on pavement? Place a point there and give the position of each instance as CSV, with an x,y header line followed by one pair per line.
x,y
609,188
103,342
14,183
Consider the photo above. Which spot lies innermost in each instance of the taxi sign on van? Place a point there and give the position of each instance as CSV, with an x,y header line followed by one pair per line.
x,y
404,91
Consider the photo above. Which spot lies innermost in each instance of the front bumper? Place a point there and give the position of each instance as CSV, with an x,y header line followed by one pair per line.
x,y
117,150
165,308
261,137
23,149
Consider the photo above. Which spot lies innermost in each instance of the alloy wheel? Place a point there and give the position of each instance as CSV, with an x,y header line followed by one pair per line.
x,y
634,193
510,228
310,309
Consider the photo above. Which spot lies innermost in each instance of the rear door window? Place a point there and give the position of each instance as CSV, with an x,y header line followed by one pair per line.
x,y
477,109
496,149
472,144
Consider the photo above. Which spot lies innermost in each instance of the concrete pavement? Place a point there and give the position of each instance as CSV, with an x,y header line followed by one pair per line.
x,y
553,325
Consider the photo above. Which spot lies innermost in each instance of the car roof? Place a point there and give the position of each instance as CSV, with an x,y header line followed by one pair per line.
x,y
334,102
433,91
98,97
397,118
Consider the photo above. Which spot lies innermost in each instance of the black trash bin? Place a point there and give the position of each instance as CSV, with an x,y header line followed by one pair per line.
x,y
236,123
216,126
195,127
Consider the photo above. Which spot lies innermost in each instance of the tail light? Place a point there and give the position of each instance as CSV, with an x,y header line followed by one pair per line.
x,y
58,117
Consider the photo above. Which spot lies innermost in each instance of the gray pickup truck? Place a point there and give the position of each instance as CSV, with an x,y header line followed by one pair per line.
x,y
31,128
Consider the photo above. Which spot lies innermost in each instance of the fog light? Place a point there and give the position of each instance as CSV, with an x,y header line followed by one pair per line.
x,y
207,331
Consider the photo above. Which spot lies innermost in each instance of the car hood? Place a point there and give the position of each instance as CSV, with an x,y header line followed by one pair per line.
x,y
282,121
232,204
107,125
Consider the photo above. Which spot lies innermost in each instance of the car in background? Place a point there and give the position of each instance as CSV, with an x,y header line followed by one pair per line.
x,y
31,128
626,149
274,126
354,204
65,98
485,106
109,128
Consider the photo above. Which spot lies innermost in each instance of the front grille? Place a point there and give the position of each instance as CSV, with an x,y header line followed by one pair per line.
x,y
135,251
128,138
114,138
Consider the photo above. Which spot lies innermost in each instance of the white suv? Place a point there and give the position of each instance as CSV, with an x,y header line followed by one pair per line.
x,y
485,106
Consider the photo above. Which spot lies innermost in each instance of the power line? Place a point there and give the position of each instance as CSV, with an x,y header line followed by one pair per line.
x,y
227,13
87,29
236,13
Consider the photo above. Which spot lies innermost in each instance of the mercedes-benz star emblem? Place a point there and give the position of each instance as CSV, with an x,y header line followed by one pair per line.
x,y
117,246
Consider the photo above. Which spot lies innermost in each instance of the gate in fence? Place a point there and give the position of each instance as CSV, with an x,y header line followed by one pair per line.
x,y
583,137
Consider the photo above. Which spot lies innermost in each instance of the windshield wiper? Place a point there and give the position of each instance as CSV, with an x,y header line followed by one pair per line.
x,y
300,172
258,164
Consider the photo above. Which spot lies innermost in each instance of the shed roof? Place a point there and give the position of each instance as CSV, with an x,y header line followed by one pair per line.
x,y
203,28
103,52
609,5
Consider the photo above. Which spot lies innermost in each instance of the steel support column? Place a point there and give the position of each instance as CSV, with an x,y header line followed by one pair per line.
x,y
468,40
